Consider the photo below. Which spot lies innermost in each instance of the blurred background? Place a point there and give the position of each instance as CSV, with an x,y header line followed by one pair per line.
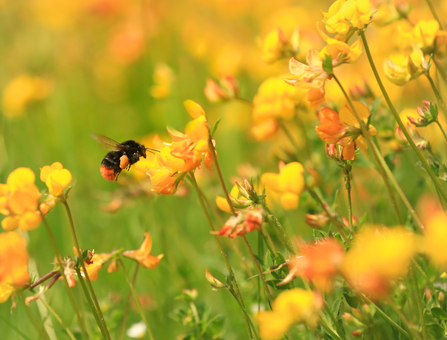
x,y
123,68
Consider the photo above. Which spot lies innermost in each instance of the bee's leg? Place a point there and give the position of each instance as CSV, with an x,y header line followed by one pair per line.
x,y
117,175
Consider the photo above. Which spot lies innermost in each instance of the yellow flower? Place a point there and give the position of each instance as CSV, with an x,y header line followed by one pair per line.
x,y
276,46
56,178
19,200
22,91
344,15
275,100
14,260
96,264
143,256
401,68
6,291
378,256
435,238
290,307
163,79
289,183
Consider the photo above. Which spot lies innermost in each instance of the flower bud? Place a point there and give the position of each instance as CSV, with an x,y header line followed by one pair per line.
x,y
215,283
441,297
428,114
357,333
317,221
240,204
333,152
242,190
254,219
315,178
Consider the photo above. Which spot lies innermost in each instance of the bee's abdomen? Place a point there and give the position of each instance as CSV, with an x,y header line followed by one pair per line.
x,y
108,174
110,166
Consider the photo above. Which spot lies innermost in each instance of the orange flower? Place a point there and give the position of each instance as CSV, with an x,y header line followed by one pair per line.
x,y
96,264
435,240
13,264
318,263
242,223
343,129
143,256
19,201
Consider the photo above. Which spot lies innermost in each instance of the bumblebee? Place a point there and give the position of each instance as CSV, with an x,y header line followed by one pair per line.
x,y
121,156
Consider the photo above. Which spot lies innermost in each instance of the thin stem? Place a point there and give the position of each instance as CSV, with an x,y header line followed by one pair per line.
x,y
418,303
219,244
433,12
58,318
268,242
78,249
440,70
399,191
90,301
292,141
348,173
249,324
332,216
367,136
328,328
258,267
399,121
61,268
442,130
280,231
438,95
219,173
137,302
386,317
404,320
42,279
126,311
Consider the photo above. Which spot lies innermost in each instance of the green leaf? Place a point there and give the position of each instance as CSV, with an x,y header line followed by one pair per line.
x,y
261,261
216,124
319,234
352,301
335,309
280,258
439,313
389,160
436,330
327,64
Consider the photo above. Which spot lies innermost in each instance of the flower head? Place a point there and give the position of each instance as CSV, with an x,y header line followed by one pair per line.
x,y
290,307
226,89
289,183
56,178
401,68
245,221
378,256
19,201
143,255
163,79
346,15
277,46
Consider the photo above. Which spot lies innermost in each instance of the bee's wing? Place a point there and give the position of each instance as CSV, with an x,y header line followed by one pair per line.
x,y
106,142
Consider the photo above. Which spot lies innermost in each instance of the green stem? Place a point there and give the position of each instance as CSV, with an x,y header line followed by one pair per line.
x,y
405,321
58,318
78,249
61,268
328,328
137,302
399,121
126,311
348,173
386,317
292,141
399,191
367,136
440,70
438,95
332,216
219,173
427,279
442,130
219,244
258,267
418,303
433,12
90,301
280,231
249,324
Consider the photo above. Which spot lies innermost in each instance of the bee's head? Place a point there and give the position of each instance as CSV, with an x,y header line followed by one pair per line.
x,y
142,151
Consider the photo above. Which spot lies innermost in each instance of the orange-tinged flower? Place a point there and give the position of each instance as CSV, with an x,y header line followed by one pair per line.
x,y
290,307
56,178
14,260
344,129
245,221
227,88
378,256
19,201
319,263
96,264
143,256
289,183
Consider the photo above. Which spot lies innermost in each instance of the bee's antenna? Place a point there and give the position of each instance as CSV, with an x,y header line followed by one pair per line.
x,y
155,150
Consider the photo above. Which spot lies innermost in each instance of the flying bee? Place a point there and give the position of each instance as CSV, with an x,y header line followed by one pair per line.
x,y
121,156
